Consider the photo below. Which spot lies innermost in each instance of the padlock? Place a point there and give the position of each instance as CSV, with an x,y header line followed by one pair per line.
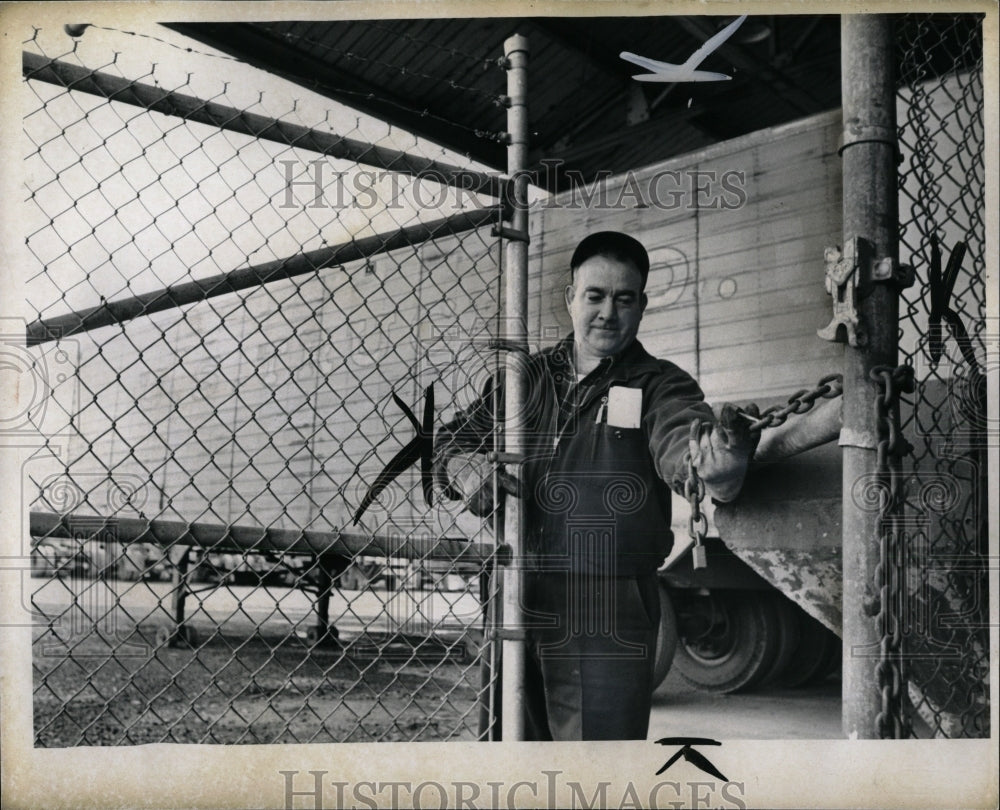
x,y
699,556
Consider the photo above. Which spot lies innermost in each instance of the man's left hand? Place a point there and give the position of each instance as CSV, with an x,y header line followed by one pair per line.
x,y
723,453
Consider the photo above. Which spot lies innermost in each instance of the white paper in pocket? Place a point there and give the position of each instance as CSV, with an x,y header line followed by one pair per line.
x,y
624,407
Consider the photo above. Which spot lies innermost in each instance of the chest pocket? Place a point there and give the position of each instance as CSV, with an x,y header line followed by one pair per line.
x,y
622,448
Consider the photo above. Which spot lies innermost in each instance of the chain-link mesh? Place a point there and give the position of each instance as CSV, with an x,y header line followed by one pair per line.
x,y
941,547
227,295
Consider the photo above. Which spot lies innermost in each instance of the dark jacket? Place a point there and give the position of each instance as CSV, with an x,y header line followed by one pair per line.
x,y
597,496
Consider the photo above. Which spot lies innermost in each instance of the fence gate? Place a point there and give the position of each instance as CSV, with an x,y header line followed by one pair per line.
x,y
228,292
940,551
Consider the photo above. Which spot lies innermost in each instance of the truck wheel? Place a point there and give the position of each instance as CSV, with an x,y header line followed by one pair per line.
x,y
810,655
835,657
666,639
729,640
788,627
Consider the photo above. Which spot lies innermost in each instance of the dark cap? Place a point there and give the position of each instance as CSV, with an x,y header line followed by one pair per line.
x,y
613,245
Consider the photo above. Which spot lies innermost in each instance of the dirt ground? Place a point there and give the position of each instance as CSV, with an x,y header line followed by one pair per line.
x,y
805,713
254,678
250,690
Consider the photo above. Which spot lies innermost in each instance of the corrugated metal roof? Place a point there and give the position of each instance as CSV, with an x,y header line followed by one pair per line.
x,y
440,79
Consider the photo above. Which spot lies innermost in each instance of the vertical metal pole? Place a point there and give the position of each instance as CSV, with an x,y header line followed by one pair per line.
x,y
516,305
324,585
870,212
180,579
178,596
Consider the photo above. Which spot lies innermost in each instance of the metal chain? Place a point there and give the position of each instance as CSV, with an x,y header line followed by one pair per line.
x,y
828,387
694,492
891,721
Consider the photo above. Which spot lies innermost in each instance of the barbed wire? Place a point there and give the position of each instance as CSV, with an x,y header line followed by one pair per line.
x,y
183,48
326,89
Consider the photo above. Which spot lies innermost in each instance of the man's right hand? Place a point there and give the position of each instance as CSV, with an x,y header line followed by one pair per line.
x,y
472,476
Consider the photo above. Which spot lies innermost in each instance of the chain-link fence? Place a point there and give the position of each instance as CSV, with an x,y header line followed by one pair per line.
x,y
230,287
940,548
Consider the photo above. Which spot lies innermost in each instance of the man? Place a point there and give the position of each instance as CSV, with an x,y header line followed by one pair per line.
x,y
608,427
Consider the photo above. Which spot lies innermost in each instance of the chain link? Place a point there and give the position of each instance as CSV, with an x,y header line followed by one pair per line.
x,y
197,573
694,492
828,387
892,721
942,203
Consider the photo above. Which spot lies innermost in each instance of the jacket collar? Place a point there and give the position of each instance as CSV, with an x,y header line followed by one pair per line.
x,y
631,362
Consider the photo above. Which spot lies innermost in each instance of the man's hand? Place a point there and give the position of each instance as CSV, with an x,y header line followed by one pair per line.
x,y
470,475
723,453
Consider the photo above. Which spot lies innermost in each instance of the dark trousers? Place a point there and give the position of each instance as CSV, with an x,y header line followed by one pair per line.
x,y
591,641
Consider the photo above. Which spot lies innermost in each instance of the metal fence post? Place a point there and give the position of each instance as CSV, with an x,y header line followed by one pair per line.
x,y
870,213
516,55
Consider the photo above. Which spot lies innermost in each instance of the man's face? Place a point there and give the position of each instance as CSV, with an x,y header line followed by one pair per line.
x,y
606,303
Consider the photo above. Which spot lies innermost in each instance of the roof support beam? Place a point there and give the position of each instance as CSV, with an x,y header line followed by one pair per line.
x,y
573,38
799,99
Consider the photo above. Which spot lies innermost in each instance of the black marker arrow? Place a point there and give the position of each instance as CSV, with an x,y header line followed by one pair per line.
x,y
696,758
419,448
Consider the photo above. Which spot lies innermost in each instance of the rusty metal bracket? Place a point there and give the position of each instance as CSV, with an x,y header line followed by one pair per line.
x,y
850,273
842,282
889,271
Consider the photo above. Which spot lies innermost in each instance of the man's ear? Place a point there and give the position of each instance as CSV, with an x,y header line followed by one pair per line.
x,y
643,300
569,297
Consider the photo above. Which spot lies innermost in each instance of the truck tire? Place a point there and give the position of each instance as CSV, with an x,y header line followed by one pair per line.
x,y
666,639
729,640
834,660
789,630
810,656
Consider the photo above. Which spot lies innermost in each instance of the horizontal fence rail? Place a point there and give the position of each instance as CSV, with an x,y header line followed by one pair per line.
x,y
190,108
112,312
219,537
